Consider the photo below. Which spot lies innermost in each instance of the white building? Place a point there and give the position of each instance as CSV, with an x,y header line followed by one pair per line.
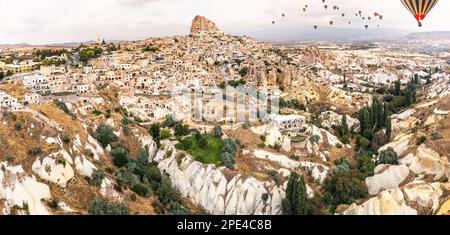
x,y
287,122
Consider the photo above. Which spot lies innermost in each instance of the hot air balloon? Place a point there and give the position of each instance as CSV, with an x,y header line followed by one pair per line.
x,y
375,14
364,18
378,25
366,26
326,6
283,15
273,22
304,9
343,14
306,6
369,18
419,8
381,17
315,26
356,14
323,1
331,23
349,22
359,12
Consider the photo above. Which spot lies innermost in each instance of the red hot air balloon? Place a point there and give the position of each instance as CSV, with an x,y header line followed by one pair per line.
x,y
419,8
375,14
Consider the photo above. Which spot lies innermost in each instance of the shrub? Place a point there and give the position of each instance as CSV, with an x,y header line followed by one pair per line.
x,y
314,139
227,161
362,142
18,126
141,190
169,122
202,142
143,156
217,131
344,188
35,151
155,131
339,146
421,140
245,125
365,164
166,193
389,156
165,134
97,178
105,135
61,105
436,136
261,145
275,176
120,156
181,129
65,138
98,207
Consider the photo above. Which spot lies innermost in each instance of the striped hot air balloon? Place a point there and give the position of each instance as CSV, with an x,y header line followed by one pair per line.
x,y
419,8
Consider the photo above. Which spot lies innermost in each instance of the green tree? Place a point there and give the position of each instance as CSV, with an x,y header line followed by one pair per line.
x,y
389,128
389,156
217,131
120,156
98,207
181,129
97,177
105,135
344,188
398,85
155,131
296,201
169,122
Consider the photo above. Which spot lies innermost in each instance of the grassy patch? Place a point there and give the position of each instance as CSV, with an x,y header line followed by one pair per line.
x,y
209,154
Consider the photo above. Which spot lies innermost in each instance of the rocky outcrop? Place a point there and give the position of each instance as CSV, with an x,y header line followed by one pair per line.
x,y
201,24
217,192
279,159
428,162
386,177
21,190
400,144
427,195
58,172
390,202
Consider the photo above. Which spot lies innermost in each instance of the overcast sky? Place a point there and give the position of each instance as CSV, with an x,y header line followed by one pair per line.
x,y
50,21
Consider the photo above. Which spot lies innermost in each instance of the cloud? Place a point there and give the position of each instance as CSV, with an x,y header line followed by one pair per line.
x,y
46,21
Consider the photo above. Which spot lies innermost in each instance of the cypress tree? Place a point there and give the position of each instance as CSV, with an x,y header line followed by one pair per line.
x,y
389,128
397,88
296,201
345,129
385,114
